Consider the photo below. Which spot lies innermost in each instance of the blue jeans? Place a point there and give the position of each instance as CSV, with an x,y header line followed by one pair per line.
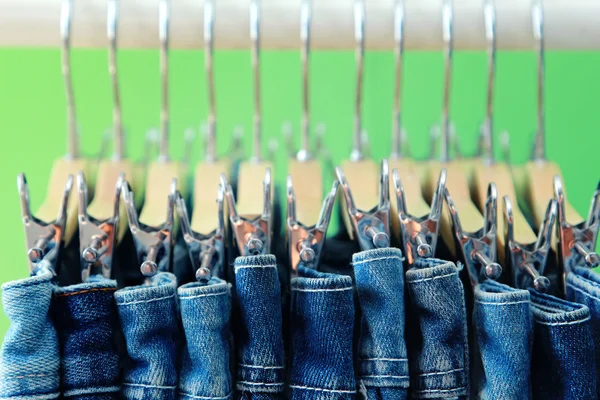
x,y
383,362
86,321
502,340
150,323
322,319
29,358
205,312
563,364
259,339
583,287
437,339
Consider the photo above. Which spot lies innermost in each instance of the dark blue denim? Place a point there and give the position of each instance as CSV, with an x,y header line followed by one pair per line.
x,y
205,312
437,338
150,323
583,287
29,358
86,322
502,341
563,364
322,319
259,339
383,362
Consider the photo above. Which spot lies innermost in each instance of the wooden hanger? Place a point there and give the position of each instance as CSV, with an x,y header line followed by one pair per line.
x,y
304,170
72,163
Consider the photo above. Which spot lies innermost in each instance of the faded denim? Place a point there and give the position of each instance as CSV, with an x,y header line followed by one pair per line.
x,y
502,342
150,323
205,312
437,340
259,339
563,364
583,287
322,320
86,322
29,358
383,361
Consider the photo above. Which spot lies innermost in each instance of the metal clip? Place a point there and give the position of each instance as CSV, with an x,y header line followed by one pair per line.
x,y
207,252
372,227
577,242
528,261
252,236
306,243
479,248
43,239
420,234
97,238
154,245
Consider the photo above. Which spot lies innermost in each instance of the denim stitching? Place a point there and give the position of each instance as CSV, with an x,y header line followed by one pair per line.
x,y
150,386
440,390
259,383
385,359
80,392
254,266
201,295
36,397
108,289
378,259
442,373
146,301
33,375
321,290
259,366
435,277
501,304
204,397
582,291
385,376
322,390
562,323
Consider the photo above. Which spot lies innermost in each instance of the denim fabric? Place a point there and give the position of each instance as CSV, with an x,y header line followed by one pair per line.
x,y
563,365
86,321
583,287
150,323
29,358
437,339
322,308
205,312
503,336
259,339
383,362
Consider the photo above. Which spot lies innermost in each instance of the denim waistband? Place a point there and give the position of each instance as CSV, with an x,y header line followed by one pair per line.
x,y
29,358
322,318
259,339
205,313
86,321
383,361
563,364
437,340
583,287
502,340
150,323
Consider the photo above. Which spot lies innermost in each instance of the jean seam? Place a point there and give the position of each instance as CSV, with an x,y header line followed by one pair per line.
x,y
441,373
146,301
502,303
386,376
92,390
108,289
378,259
433,278
261,366
204,397
321,290
569,284
440,390
385,359
149,386
322,389
202,295
259,383
47,396
254,266
563,323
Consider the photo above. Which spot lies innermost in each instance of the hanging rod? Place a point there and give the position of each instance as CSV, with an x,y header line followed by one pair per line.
x,y
568,24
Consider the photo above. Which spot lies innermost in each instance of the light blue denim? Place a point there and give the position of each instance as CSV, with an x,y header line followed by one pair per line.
x,y
258,334
583,287
502,341
205,313
322,320
437,338
86,321
150,323
383,361
563,364
29,358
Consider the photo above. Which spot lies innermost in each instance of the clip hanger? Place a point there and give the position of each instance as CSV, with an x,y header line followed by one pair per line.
x,y
420,234
578,241
252,236
528,261
479,248
305,243
43,239
207,252
153,244
371,227
97,238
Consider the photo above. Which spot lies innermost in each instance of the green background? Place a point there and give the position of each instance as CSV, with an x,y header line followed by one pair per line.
x,y
32,109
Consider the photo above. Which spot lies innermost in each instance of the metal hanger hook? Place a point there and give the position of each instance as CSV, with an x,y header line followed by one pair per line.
x,y
489,13
66,13
255,52
304,153
163,33
447,33
537,14
111,32
209,22
399,14
359,37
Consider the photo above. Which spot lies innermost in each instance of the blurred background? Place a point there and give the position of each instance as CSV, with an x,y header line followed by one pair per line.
x,y
33,120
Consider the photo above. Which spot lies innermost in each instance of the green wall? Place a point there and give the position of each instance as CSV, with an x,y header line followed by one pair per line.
x,y
33,114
